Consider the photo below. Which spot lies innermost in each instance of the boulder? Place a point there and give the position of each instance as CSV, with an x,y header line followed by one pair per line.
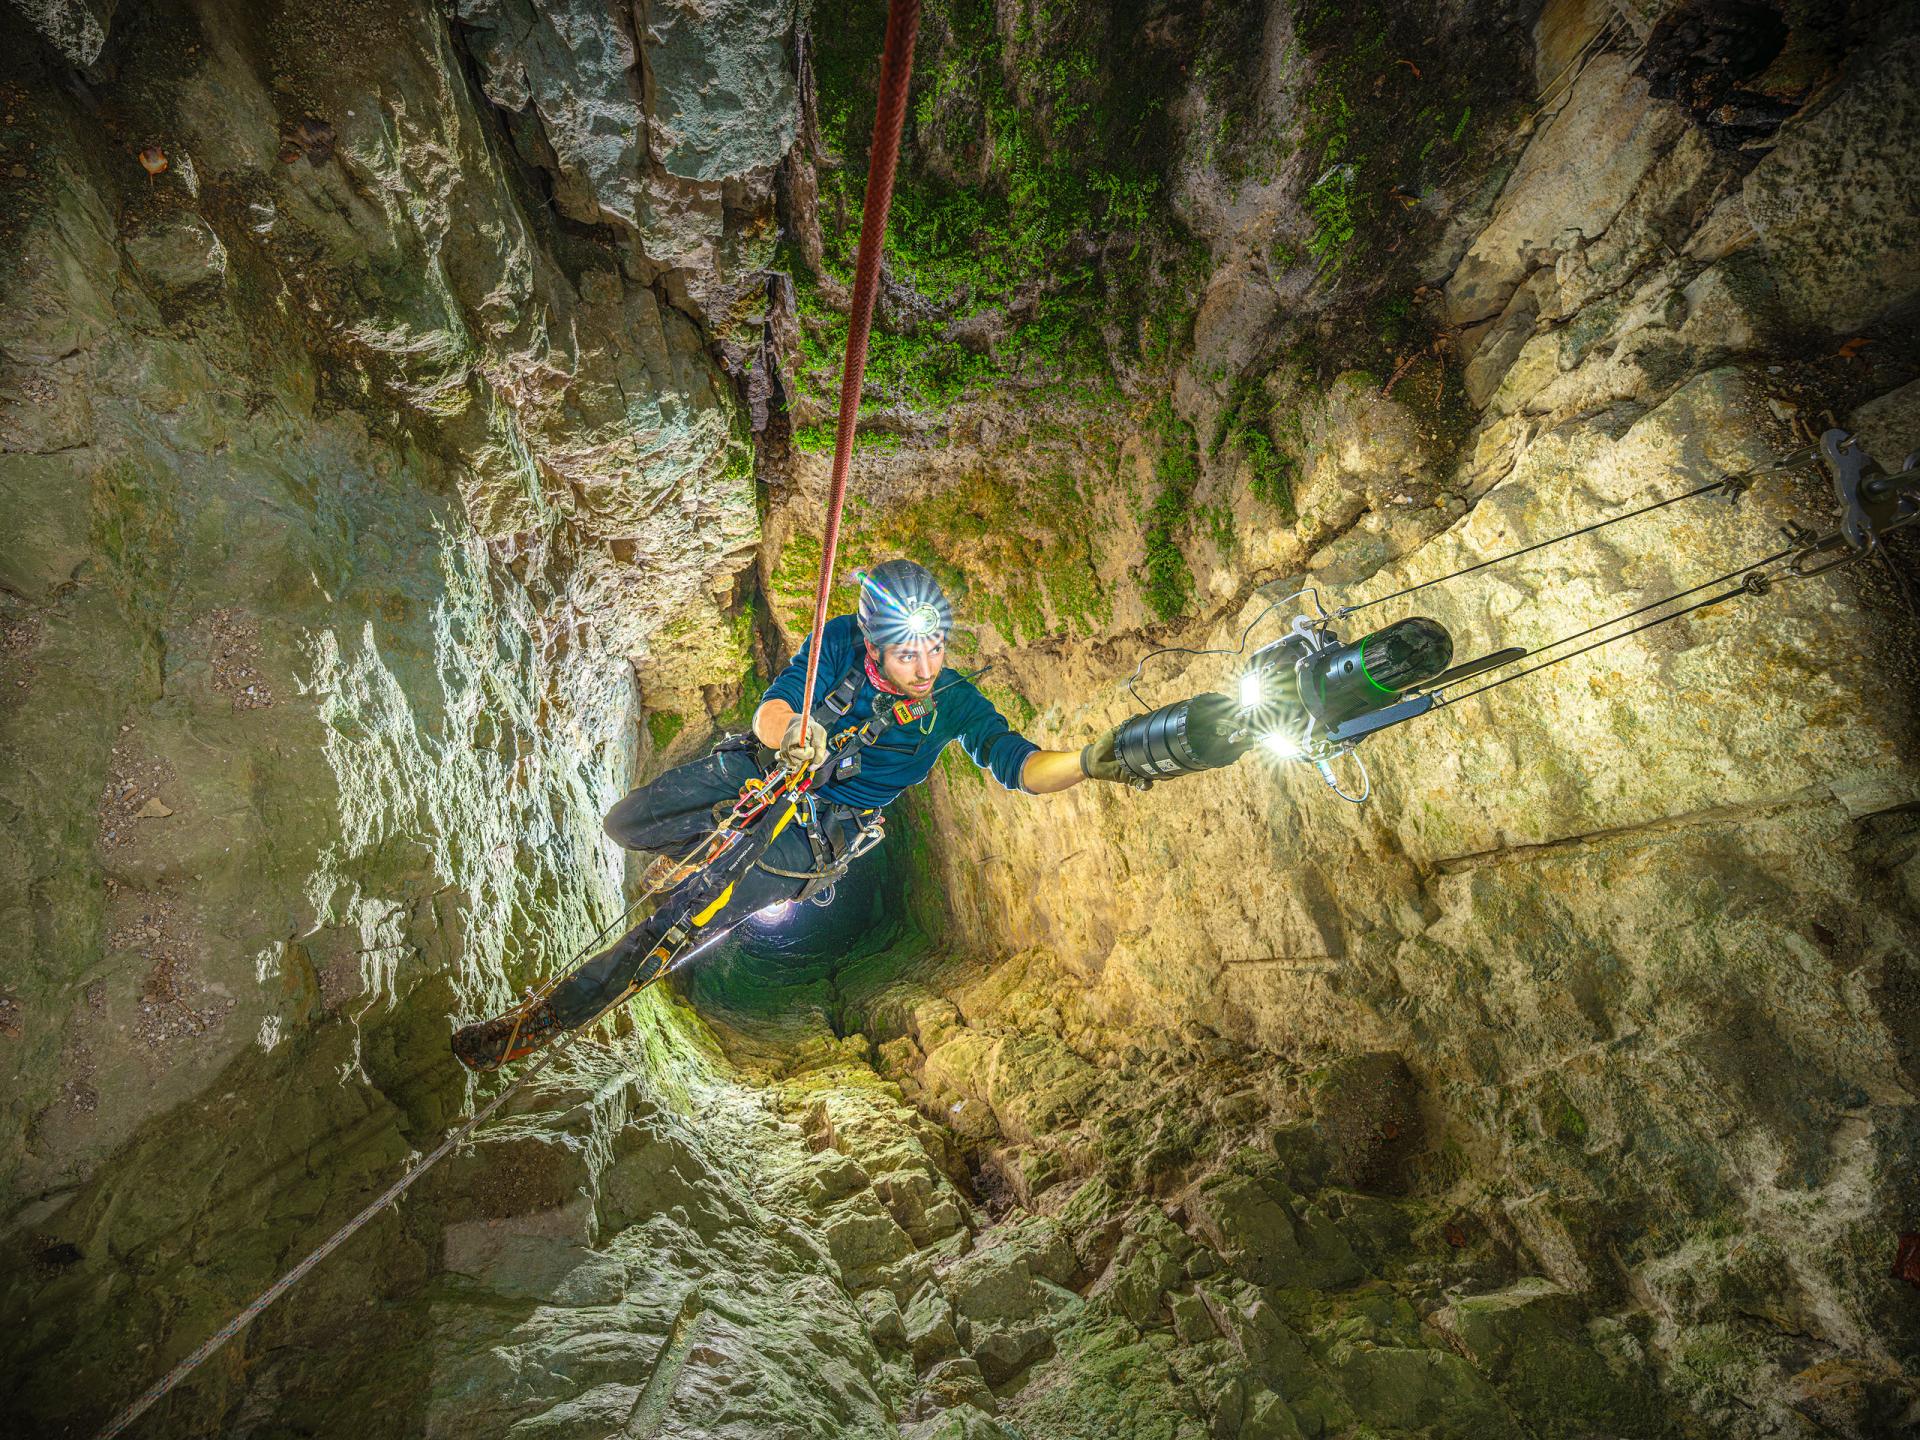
x,y
928,1323
1260,1235
1840,260
1572,180
1191,1322
863,1242
881,1310
831,1176
1268,1418
1003,1351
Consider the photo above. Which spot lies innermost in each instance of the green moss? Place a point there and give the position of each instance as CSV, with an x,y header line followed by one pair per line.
x,y
1384,118
1246,426
1168,581
1080,154
751,684
663,726
1009,550
814,439
1009,702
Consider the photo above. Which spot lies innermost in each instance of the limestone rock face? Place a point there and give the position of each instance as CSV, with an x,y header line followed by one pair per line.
x,y
413,429
358,511
1579,908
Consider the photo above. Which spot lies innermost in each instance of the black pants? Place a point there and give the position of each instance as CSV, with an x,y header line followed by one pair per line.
x,y
668,816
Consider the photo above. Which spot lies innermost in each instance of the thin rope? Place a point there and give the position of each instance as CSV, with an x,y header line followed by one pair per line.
x,y
1733,483
896,69
1240,649
160,1388
1632,614
1725,595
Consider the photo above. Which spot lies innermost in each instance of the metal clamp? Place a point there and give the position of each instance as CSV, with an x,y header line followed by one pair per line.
x,y
1872,503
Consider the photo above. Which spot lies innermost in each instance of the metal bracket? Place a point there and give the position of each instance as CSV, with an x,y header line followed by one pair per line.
x,y
1362,726
1872,502
1732,489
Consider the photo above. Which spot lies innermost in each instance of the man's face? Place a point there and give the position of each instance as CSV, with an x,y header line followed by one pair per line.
x,y
914,666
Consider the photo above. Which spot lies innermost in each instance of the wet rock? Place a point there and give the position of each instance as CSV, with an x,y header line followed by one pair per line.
x,y
178,254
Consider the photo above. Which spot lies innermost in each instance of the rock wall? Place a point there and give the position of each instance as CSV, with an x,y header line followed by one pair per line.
x,y
1640,928
412,427
362,502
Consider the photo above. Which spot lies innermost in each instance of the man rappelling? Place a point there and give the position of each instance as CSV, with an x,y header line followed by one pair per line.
x,y
880,727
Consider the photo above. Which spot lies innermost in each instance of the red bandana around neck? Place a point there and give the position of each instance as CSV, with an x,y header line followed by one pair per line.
x,y
880,681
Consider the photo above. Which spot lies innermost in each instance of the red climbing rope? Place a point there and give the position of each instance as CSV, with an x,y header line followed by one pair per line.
x,y
896,68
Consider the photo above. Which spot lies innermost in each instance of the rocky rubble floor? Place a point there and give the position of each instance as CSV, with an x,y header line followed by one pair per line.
x,y
1198,1241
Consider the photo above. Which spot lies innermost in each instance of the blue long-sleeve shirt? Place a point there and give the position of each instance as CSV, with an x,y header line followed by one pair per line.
x,y
905,754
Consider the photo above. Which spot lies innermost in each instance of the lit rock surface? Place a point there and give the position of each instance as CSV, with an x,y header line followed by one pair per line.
x,y
428,438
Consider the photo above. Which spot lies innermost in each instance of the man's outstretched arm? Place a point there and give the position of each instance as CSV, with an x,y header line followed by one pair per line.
x,y
1047,771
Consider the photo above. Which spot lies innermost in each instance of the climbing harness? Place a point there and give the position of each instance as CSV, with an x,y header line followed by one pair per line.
x,y
723,854
1313,697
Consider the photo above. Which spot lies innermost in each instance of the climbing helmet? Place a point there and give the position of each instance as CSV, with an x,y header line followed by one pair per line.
x,y
901,602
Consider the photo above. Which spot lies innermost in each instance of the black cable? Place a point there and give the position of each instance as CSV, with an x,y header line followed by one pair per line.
x,y
1725,482
1529,549
1628,615
1239,649
1725,595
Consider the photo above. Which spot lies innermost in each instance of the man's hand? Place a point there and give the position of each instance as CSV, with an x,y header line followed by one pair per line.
x,y
1101,761
803,746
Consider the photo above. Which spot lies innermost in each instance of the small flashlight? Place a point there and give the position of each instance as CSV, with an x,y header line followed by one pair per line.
x,y
1280,744
1253,690
923,620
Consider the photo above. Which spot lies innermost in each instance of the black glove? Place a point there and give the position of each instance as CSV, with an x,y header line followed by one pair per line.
x,y
1101,761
